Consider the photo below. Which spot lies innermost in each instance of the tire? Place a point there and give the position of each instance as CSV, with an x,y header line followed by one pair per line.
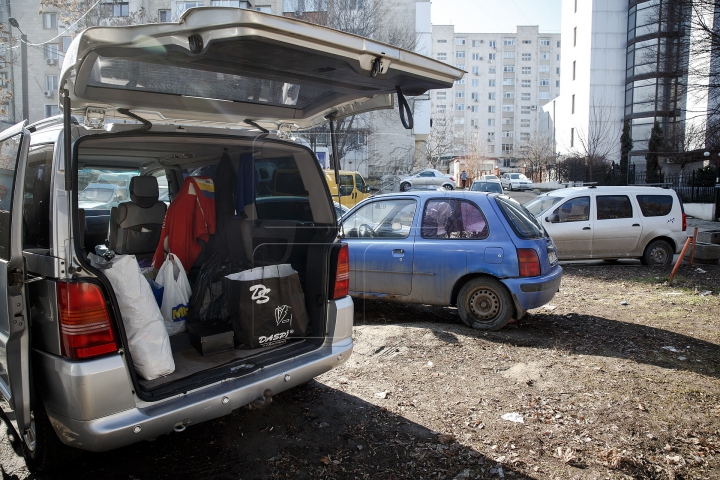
x,y
485,304
404,186
48,451
658,253
448,187
511,188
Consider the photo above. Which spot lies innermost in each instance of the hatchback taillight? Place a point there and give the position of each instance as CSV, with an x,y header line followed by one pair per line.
x,y
684,222
340,273
85,329
529,262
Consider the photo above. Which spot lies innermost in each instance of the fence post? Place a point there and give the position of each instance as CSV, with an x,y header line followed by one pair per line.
x,y
692,189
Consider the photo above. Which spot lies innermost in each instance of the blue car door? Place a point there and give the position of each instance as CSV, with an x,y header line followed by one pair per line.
x,y
380,237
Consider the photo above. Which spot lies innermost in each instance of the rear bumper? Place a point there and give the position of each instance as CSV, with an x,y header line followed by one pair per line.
x,y
136,424
534,292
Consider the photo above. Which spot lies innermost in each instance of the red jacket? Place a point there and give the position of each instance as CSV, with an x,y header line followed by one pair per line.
x,y
190,217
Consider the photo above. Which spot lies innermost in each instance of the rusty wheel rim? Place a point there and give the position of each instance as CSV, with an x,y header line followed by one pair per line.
x,y
484,304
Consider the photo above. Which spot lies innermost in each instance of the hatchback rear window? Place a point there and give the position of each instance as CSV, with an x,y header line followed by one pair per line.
x,y
523,223
655,205
453,219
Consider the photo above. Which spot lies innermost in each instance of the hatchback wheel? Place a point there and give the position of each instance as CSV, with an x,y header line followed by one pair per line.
x,y
448,186
657,254
41,446
484,304
404,186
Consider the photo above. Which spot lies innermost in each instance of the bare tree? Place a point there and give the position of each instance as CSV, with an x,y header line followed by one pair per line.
x,y
537,152
683,139
442,140
83,14
596,142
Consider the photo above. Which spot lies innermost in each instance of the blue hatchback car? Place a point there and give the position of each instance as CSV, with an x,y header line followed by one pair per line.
x,y
484,253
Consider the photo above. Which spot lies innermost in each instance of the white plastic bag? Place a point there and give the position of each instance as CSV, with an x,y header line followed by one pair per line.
x,y
176,295
147,338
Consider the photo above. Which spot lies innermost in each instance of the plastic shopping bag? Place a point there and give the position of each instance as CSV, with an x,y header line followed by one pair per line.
x,y
267,306
176,295
147,338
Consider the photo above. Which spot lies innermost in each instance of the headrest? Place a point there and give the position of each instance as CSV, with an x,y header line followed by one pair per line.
x,y
144,191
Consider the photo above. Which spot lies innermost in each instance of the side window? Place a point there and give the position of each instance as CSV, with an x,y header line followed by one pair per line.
x,y
574,210
36,201
9,149
613,206
391,218
346,185
360,183
163,189
453,219
655,205
426,174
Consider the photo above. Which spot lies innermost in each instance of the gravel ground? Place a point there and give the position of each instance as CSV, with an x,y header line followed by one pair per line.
x,y
619,377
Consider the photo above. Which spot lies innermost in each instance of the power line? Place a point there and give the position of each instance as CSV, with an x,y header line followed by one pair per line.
x,y
64,31
523,13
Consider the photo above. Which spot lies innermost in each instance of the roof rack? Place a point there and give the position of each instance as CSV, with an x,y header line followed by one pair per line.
x,y
51,121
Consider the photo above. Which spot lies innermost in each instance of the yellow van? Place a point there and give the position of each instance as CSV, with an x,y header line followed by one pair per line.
x,y
352,187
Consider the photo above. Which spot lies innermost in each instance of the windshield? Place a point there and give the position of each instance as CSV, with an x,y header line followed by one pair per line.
x,y
102,189
491,187
96,194
522,222
539,204
518,176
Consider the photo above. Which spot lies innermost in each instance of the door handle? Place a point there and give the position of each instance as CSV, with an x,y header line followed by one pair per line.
x,y
398,252
636,224
586,228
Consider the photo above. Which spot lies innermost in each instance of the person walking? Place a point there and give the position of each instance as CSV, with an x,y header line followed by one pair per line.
x,y
463,177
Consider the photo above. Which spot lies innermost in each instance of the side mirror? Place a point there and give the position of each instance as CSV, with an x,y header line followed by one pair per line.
x,y
367,188
552,218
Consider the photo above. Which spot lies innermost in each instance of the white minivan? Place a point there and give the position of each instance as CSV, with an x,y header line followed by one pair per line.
x,y
609,223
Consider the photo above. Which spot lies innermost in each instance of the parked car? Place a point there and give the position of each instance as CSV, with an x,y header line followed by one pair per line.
x,y
102,196
483,253
486,186
515,181
353,188
340,210
69,375
428,177
613,222
489,178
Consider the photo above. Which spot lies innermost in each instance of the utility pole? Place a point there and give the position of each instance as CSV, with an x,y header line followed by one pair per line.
x,y
24,60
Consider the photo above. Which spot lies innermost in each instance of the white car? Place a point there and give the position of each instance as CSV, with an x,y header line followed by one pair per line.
x,y
488,178
515,181
428,178
609,223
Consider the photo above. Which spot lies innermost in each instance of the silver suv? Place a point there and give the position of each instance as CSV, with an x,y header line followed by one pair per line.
x,y
212,85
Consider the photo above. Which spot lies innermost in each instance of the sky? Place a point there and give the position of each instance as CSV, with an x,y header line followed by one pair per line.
x,y
479,16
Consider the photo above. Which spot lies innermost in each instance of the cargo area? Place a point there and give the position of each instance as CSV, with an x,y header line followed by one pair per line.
x,y
150,195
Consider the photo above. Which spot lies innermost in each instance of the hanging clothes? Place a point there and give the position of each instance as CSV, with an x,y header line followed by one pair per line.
x,y
245,184
190,218
228,224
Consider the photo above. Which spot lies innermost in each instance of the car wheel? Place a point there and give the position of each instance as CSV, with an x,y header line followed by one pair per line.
x,y
511,188
404,186
41,446
657,254
484,304
447,186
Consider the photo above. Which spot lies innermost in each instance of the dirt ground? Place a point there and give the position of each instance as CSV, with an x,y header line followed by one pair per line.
x,y
619,377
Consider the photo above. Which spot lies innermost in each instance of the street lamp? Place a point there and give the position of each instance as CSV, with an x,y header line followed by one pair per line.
x,y
23,60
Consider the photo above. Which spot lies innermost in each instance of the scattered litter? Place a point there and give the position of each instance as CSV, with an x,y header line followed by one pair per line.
x,y
550,307
343,380
323,425
670,349
513,417
700,270
383,394
359,447
705,293
624,302
682,359
446,438
641,407
431,364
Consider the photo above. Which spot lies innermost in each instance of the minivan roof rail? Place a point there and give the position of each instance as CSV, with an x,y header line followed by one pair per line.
x,y
50,121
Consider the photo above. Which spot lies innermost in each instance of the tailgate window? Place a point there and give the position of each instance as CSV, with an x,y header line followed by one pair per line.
x,y
655,205
523,223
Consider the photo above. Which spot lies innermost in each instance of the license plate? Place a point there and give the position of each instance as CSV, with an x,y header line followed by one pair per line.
x,y
552,256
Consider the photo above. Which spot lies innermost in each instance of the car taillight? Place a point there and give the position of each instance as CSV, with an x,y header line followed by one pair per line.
x,y
529,262
85,329
452,179
341,277
684,222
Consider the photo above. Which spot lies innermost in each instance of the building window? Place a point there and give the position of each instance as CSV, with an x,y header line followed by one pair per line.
x,y
49,21
491,70
558,44
460,54
507,147
491,83
121,9
492,43
544,56
475,83
442,41
51,51
491,96
508,41
574,69
227,3
545,42
525,97
544,82
525,123
527,42
525,83
524,136
508,81
474,122
475,95
459,121
526,70
459,41
544,69
441,95
525,109
526,57
572,137
474,109
491,122
557,70
575,37
441,108
460,82
557,57
52,82
459,94
459,107
491,109
572,104
507,134
476,56
508,121
51,110
508,108
508,94
182,6
491,137
476,43
557,83
491,56
475,70
509,54
442,56
509,68
544,95
264,9
65,43
461,66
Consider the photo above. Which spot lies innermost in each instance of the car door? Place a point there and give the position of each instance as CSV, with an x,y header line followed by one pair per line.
x,y
570,227
380,238
14,332
617,227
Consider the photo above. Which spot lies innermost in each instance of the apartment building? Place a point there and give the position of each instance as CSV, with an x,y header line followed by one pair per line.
x,y
510,76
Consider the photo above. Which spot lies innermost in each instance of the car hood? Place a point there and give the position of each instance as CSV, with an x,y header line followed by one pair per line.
x,y
227,66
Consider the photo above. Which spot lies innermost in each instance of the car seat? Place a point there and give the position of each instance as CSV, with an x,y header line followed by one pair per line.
x,y
135,226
